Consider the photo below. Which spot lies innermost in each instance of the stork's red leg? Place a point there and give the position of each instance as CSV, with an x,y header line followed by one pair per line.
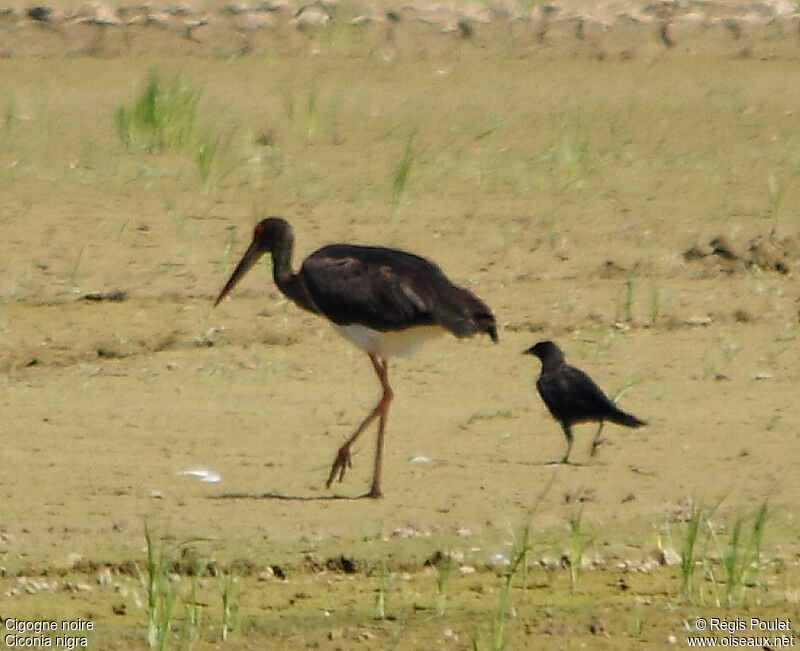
x,y
375,490
343,458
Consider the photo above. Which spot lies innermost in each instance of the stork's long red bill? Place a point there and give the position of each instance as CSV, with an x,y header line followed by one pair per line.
x,y
250,257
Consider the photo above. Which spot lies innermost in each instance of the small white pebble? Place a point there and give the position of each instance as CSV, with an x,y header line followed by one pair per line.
x,y
698,321
266,575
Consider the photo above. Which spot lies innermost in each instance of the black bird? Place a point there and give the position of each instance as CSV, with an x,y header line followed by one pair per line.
x,y
572,396
386,302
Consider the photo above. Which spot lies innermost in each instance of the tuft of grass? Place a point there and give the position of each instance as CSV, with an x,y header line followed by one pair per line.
x,y
574,155
212,155
777,192
742,558
10,118
655,301
194,605
312,119
159,590
161,118
73,274
306,122
739,561
627,302
519,554
229,593
520,548
401,172
444,572
579,542
385,577
161,594
688,549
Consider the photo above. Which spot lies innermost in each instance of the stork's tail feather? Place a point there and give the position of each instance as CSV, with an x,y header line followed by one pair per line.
x,y
623,418
487,324
464,314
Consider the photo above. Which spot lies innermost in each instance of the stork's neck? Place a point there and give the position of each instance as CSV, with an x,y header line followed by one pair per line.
x,y
290,283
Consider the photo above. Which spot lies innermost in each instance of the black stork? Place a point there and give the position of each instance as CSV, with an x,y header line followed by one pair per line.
x,y
572,397
385,301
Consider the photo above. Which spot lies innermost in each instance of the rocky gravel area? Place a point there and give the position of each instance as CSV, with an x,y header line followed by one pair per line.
x,y
614,30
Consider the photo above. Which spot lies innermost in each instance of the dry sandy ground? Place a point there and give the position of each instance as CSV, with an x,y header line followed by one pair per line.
x,y
104,403
268,403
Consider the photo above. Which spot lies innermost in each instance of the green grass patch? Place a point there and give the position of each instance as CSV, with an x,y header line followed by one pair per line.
x,y
161,118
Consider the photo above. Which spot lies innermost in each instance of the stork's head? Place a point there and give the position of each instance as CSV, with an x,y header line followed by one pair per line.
x,y
270,235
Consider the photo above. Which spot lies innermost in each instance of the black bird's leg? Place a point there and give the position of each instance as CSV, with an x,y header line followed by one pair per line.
x,y
343,459
597,440
375,490
568,434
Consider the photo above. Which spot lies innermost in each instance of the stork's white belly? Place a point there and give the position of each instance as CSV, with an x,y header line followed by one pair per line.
x,y
395,343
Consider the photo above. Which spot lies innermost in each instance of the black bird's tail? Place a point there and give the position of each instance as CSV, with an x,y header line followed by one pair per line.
x,y
623,418
464,314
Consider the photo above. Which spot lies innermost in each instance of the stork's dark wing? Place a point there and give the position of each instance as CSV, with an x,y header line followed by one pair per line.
x,y
386,289
572,396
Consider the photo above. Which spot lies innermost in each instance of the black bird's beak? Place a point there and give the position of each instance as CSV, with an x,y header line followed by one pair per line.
x,y
250,257
528,351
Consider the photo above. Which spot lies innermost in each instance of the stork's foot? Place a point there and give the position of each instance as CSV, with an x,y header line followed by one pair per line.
x,y
342,462
374,493
596,444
